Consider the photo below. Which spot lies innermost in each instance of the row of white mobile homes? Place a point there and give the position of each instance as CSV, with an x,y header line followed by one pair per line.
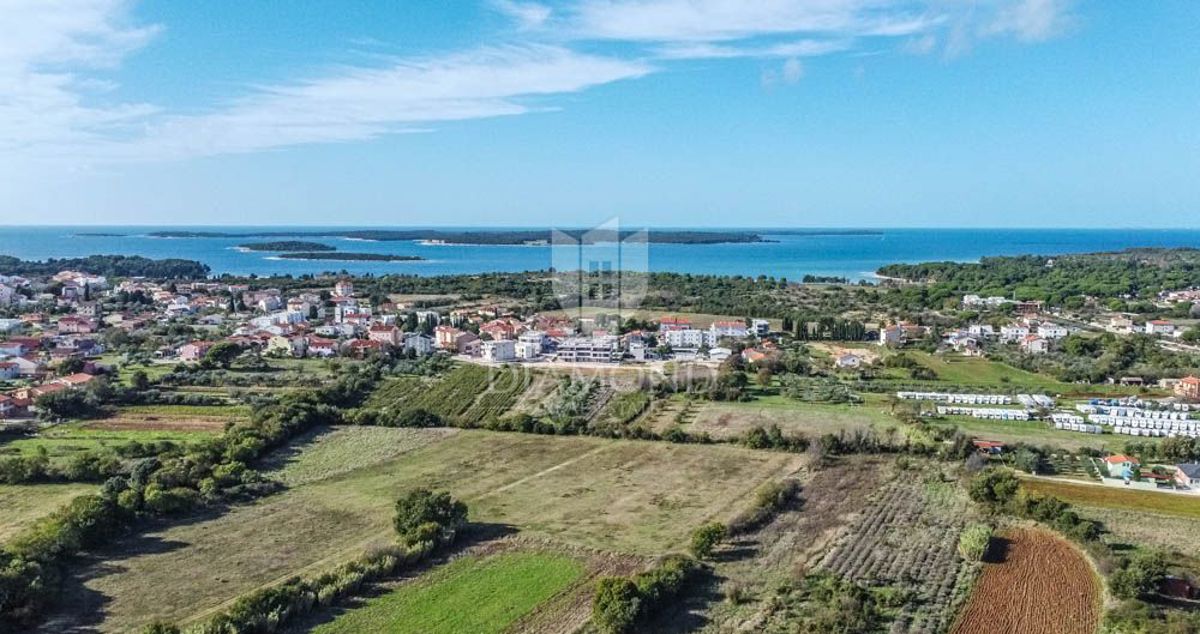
x,y
988,413
1145,423
1067,418
1080,427
947,397
1035,400
1158,433
1133,412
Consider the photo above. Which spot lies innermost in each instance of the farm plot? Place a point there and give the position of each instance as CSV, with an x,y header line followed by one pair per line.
x,y
1042,584
908,537
632,497
732,420
759,563
467,394
23,504
1096,495
479,594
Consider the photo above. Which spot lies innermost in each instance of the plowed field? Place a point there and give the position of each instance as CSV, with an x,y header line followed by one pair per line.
x,y
1041,583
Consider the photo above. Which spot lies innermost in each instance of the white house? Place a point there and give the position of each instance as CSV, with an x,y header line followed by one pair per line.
x,y
1034,344
981,330
419,343
603,349
891,336
686,338
6,294
1159,327
761,327
499,350
732,329
1052,331
1013,333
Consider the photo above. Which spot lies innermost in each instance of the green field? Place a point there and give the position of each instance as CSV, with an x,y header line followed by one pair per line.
x,y
66,440
1034,432
23,504
472,594
1112,497
642,498
186,411
468,394
723,420
980,371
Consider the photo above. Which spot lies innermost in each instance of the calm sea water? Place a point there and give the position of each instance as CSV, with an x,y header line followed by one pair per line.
x,y
791,256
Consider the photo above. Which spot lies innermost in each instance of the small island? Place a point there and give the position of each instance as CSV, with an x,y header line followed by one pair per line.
x,y
349,257
287,245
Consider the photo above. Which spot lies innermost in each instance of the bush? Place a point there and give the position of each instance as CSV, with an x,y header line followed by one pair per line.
x,y
706,538
994,488
974,541
769,500
1140,577
616,605
421,514
622,603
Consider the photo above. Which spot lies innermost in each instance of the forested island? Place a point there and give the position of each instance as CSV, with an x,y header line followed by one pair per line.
x,y
349,257
107,265
490,237
287,245
1133,272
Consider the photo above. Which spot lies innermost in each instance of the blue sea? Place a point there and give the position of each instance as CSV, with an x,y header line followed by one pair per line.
x,y
787,255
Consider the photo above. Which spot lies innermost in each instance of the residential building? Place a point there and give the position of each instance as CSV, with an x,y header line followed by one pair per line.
x,y
499,350
321,347
74,324
1047,330
9,371
387,335
1013,333
1121,466
1034,344
667,323
730,329
761,327
981,330
604,349
1188,475
1189,388
194,351
1120,325
469,344
343,288
444,337
686,338
418,343
891,336
1159,327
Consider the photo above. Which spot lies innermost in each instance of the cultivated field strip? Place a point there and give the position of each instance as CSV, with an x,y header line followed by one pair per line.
x,y
907,538
1044,584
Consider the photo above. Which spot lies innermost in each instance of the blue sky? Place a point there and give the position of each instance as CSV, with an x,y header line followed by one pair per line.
x,y
661,112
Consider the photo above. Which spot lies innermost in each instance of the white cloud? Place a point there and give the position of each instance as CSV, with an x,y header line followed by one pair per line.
x,y
1032,20
529,15
724,20
710,50
57,101
792,71
404,95
736,28
45,45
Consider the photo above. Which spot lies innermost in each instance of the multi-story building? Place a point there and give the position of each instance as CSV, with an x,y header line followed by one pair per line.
x,y
606,349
